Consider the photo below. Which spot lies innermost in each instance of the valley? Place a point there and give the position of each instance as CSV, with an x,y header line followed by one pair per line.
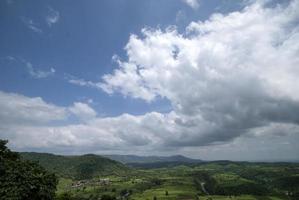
x,y
95,177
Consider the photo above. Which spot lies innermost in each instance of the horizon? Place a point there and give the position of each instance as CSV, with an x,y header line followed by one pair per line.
x,y
210,80
168,156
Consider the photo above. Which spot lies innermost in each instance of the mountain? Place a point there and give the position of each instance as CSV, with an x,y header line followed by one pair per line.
x,y
77,167
152,159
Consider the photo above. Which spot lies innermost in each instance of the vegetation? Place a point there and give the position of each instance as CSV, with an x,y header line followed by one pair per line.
x,y
92,177
77,167
23,180
152,159
210,180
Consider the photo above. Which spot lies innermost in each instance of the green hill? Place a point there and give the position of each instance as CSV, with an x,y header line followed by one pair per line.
x,y
152,159
77,167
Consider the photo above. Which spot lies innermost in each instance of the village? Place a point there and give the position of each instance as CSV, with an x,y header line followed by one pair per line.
x,y
105,184
84,183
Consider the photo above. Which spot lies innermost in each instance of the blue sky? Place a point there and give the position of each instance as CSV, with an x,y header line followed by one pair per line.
x,y
206,79
81,43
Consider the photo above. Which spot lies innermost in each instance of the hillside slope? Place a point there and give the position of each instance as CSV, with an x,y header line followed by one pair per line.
x,y
151,159
77,167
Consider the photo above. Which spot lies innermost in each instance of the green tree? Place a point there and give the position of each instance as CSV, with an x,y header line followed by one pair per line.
x,y
64,196
23,180
107,197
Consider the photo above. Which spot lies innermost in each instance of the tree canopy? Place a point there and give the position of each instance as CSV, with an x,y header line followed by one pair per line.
x,y
23,180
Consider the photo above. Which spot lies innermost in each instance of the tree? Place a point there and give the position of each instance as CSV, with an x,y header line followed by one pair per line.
x,y
23,180
64,196
107,197
123,192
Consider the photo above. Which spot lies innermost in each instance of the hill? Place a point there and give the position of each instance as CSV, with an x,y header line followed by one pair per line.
x,y
152,159
77,167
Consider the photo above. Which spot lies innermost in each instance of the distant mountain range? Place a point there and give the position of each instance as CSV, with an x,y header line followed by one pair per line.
x,y
77,167
90,165
152,159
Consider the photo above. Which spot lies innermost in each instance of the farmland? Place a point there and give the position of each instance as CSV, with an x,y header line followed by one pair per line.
x,y
216,180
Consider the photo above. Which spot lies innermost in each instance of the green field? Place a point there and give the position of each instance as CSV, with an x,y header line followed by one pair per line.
x,y
93,177
217,181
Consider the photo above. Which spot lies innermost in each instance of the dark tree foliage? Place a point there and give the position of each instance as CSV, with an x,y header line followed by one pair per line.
x,y
249,188
70,196
123,192
290,183
210,182
85,170
107,197
23,180
64,196
213,187
156,181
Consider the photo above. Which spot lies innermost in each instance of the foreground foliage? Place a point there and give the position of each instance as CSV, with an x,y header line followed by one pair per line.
x,y
23,180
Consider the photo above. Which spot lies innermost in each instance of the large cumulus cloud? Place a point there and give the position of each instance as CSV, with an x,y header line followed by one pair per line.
x,y
224,76
230,77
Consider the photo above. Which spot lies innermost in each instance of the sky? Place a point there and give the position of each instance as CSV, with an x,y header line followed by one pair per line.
x,y
208,79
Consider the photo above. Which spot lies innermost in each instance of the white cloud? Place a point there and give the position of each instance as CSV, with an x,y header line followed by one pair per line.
x,y
82,82
31,25
194,4
8,58
83,111
38,74
19,110
232,77
129,84
89,101
33,123
52,17
224,77
27,123
180,16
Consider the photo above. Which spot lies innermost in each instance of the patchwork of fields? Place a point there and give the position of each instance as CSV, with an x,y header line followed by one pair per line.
x,y
216,180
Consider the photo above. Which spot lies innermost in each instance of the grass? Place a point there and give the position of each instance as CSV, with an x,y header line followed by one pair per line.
x,y
183,183
64,185
241,197
174,192
230,179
